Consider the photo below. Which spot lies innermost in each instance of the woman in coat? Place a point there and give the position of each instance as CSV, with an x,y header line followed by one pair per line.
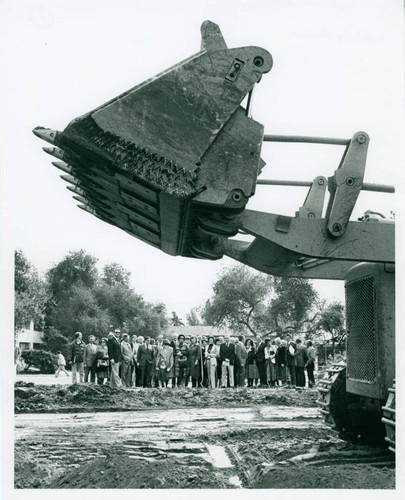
x,y
251,368
102,362
211,357
270,357
164,363
194,361
281,362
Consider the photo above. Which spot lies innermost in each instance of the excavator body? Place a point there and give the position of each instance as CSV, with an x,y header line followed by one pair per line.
x,y
173,162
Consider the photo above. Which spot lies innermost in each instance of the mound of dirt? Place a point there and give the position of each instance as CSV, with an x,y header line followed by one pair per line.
x,y
121,471
92,398
29,474
331,477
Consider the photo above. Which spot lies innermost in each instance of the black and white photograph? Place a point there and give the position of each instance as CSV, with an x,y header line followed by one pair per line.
x,y
198,247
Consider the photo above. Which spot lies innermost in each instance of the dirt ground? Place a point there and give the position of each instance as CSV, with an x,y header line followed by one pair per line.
x,y
85,436
29,397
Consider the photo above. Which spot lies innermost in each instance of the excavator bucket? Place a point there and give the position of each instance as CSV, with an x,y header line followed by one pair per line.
x,y
174,160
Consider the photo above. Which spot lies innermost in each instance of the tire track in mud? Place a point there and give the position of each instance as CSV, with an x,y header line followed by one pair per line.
x,y
220,438
68,440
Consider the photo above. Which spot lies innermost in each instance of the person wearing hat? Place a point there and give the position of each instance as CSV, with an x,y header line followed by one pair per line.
x,y
164,363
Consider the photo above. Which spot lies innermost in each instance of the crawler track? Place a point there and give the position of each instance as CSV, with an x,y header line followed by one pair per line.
x,y
389,418
332,397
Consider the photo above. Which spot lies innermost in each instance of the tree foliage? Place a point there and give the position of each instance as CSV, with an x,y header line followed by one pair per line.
x,y
243,298
30,294
175,320
55,341
192,318
332,320
82,300
239,299
77,269
115,274
294,305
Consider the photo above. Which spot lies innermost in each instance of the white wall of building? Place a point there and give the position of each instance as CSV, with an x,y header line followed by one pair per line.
x,y
27,337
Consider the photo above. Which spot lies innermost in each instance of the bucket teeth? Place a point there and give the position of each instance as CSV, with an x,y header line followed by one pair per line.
x,y
77,190
56,152
86,209
62,166
80,199
46,134
70,179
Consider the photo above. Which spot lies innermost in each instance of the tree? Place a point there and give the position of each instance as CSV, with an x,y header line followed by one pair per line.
x,y
192,318
54,341
30,294
240,300
175,320
151,320
120,302
293,308
76,269
22,272
80,311
82,300
332,320
72,306
114,274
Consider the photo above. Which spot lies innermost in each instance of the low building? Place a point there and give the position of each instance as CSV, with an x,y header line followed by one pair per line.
x,y
28,338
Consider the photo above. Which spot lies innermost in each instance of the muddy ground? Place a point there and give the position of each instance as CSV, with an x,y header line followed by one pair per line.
x,y
85,436
29,397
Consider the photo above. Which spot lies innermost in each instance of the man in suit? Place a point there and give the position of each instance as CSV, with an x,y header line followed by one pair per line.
x,y
89,360
145,360
261,363
127,354
134,348
115,357
240,362
227,355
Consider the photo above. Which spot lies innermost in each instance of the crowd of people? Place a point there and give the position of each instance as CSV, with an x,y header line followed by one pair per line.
x,y
181,361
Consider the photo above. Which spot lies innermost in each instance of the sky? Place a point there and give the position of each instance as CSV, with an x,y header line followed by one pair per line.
x,y
338,69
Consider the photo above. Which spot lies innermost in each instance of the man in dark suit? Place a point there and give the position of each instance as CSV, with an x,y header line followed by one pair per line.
x,y
261,363
145,359
227,355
